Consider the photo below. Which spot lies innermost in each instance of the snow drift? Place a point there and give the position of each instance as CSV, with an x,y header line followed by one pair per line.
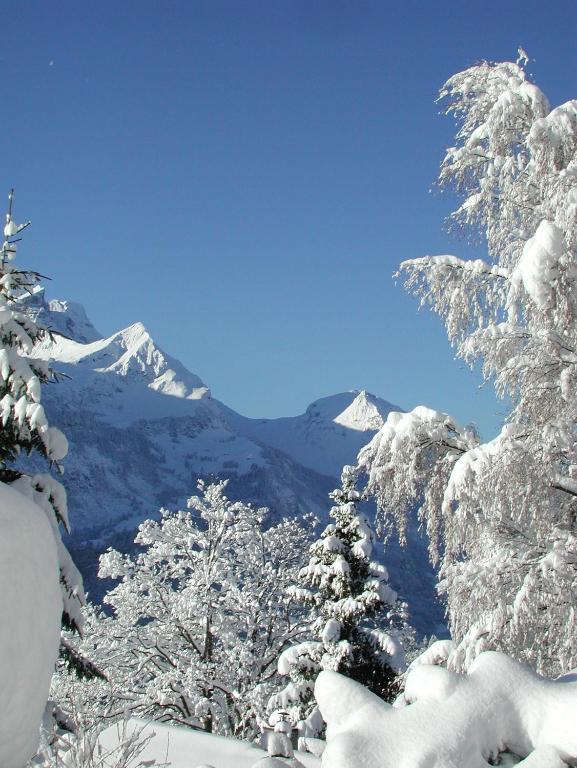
x,y
449,720
30,611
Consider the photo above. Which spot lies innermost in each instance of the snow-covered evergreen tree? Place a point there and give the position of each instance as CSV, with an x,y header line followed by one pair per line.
x,y
357,616
25,428
200,615
502,514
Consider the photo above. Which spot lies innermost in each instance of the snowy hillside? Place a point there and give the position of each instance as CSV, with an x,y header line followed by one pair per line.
x,y
328,435
143,429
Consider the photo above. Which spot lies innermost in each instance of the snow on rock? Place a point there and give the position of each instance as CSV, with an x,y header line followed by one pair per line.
x,y
364,414
278,762
130,353
30,611
62,316
451,720
328,435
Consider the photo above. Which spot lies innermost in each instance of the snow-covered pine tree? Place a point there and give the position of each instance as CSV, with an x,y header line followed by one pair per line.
x,y
357,616
25,428
501,515
359,613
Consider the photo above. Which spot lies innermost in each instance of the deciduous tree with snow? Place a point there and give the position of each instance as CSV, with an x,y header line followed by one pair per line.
x,y
501,515
357,617
200,615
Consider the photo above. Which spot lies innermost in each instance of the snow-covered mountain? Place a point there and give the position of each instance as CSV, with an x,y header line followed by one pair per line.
x,y
327,436
143,429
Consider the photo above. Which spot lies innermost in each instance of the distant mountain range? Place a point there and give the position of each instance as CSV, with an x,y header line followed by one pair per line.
x,y
143,429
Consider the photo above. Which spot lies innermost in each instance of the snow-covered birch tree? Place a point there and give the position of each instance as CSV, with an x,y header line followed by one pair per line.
x,y
200,615
501,514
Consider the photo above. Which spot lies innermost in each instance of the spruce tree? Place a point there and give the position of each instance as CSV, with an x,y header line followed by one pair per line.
x,y
357,608
24,425
357,619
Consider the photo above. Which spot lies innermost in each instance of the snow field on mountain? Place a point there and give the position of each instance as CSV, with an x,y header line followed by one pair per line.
x,y
30,611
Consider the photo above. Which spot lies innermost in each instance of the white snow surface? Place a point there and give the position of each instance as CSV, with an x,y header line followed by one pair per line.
x,y
30,611
364,414
62,316
538,267
130,353
185,748
451,720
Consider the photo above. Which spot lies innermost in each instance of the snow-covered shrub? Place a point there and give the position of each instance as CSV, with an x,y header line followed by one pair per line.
x,y
199,617
83,748
501,514
451,720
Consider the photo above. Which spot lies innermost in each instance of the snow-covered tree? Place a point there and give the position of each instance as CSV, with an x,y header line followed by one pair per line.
x,y
25,428
502,514
357,616
200,615
40,585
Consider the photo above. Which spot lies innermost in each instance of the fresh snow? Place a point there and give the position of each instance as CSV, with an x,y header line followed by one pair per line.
x,y
450,720
186,748
328,435
30,610
538,267
365,414
130,353
134,449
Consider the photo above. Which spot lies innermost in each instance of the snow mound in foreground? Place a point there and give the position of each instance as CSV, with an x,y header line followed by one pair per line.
x,y
449,720
30,613
187,748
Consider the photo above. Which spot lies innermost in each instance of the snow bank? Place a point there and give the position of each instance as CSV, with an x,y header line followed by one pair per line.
x,y
30,612
185,748
451,720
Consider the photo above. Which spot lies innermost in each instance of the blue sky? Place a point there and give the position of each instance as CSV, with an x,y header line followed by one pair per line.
x,y
244,178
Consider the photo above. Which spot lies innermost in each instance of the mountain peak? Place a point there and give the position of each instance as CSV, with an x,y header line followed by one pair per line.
x,y
130,353
67,318
134,337
140,358
366,413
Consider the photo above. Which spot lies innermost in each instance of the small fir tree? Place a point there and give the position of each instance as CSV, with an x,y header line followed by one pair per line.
x,y
358,616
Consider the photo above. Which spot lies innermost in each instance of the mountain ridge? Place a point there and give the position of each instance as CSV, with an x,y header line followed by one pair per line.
x,y
143,430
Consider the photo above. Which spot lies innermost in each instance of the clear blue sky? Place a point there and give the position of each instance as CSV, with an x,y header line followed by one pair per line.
x,y
244,177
